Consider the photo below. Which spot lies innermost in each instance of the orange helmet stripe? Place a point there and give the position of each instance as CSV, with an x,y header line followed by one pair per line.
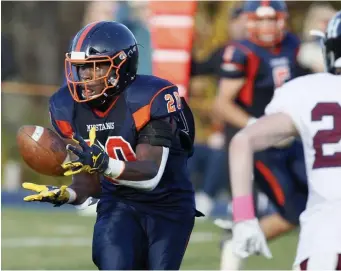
x,y
83,35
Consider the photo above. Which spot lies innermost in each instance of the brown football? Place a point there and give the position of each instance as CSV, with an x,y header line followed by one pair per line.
x,y
42,149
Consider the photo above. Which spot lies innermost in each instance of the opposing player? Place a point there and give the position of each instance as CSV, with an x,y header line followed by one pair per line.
x,y
144,136
309,107
251,71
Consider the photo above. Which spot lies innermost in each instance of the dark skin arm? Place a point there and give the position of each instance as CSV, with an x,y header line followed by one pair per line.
x,y
85,185
147,164
146,167
148,161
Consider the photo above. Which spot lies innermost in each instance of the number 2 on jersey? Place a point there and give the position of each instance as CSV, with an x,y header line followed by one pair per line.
x,y
171,107
328,136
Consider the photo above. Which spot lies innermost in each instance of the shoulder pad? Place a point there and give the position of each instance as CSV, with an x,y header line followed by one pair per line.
x,y
61,106
235,58
150,97
247,46
241,48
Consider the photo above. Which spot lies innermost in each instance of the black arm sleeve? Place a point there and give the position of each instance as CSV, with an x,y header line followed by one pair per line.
x,y
156,133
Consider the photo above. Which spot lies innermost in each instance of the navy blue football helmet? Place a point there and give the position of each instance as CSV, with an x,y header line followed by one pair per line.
x,y
332,44
101,43
263,33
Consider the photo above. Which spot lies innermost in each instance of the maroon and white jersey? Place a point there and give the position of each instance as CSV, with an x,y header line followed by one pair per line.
x,y
314,104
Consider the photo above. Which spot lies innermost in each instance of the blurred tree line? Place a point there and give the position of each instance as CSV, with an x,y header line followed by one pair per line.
x,y
40,32
37,35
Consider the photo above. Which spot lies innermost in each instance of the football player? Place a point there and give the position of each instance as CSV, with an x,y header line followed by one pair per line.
x,y
309,107
251,70
136,133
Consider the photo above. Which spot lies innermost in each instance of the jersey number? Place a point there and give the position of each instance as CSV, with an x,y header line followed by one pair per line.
x,y
117,148
331,136
280,74
171,107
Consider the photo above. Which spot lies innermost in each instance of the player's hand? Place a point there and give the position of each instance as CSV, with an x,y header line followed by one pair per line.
x,y
249,239
91,158
47,193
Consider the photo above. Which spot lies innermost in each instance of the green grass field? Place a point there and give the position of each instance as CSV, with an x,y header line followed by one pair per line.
x,y
40,239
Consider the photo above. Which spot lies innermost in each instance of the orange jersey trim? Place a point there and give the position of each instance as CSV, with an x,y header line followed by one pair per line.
x,y
65,127
272,181
106,112
142,115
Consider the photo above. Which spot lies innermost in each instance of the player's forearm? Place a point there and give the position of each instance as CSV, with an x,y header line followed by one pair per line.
x,y
242,148
139,171
141,174
241,161
241,171
244,144
81,194
85,185
131,171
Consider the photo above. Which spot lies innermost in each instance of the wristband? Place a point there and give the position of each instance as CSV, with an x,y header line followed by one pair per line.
x,y
243,208
115,168
72,195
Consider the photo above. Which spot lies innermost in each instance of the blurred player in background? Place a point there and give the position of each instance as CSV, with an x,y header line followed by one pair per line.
x,y
309,107
214,174
145,134
251,70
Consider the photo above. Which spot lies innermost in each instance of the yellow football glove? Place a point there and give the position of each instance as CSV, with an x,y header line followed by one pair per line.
x,y
48,193
91,158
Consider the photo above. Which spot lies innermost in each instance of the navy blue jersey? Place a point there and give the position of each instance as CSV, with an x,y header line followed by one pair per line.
x,y
263,69
147,98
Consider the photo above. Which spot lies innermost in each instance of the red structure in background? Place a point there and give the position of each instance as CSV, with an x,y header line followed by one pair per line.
x,y
172,27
